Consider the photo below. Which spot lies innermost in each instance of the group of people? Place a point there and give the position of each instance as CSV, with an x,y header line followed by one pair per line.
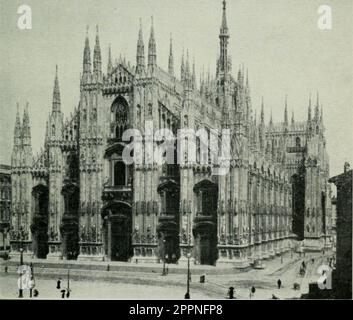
x,y
231,291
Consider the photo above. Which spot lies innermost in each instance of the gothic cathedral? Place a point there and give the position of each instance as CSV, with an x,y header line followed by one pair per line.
x,y
78,199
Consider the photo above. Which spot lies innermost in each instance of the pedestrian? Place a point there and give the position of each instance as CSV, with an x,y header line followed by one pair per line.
x,y
6,269
63,291
252,291
231,293
68,293
35,293
281,259
58,284
108,267
274,297
31,285
279,283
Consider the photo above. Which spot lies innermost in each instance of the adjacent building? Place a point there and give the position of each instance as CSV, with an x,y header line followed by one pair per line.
x,y
342,275
5,207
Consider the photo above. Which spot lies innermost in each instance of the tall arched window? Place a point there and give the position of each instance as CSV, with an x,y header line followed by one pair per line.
x,y
119,174
297,142
120,111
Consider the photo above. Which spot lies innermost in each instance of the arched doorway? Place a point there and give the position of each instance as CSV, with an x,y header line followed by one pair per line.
x,y
117,226
298,203
205,223
69,227
323,211
168,222
39,226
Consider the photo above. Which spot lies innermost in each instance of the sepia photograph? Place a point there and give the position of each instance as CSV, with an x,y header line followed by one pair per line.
x,y
176,150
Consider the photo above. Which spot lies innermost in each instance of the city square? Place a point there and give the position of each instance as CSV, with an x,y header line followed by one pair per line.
x,y
131,281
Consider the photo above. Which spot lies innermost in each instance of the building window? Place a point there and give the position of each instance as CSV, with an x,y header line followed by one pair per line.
x,y
119,110
119,174
297,142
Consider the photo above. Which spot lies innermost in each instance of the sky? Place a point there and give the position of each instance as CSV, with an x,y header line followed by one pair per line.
x,y
278,41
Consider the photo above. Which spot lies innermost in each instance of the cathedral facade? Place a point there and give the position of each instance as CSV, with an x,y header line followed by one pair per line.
x,y
78,199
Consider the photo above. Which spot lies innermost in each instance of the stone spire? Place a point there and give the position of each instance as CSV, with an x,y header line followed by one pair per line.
x,y
317,106
193,75
110,64
17,130
152,53
286,111
86,61
292,118
140,55
262,111
97,59
56,93
224,37
26,128
187,66
47,136
309,109
171,58
182,68
247,80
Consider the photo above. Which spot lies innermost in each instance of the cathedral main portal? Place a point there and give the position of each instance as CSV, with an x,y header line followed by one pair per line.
x,y
117,225
39,226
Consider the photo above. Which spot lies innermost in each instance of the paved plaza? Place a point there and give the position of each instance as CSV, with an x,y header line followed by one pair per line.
x,y
147,282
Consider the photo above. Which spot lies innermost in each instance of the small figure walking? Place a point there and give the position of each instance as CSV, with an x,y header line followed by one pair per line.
x,y
279,283
58,284
35,293
231,293
31,285
108,267
252,291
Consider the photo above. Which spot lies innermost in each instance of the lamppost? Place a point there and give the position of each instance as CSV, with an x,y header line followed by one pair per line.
x,y
187,294
21,250
164,273
20,289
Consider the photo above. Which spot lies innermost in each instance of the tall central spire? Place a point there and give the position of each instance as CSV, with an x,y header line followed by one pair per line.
x,y
56,93
224,37
224,28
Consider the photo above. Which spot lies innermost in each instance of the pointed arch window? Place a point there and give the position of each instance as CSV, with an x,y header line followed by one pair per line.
x,y
297,142
119,110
